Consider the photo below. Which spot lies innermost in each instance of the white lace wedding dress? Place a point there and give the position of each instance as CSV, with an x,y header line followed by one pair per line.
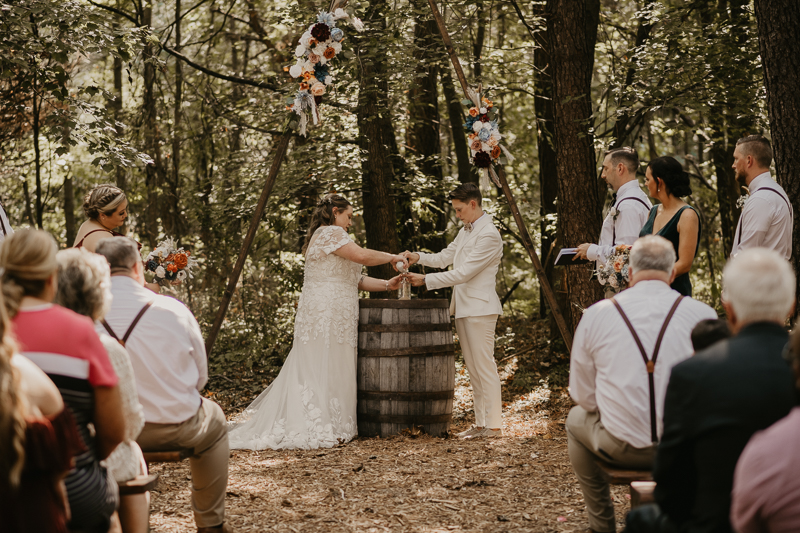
x,y
312,402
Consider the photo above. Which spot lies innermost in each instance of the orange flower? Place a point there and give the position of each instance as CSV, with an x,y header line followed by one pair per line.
x,y
307,76
329,53
170,257
172,268
473,112
496,152
312,43
181,261
303,86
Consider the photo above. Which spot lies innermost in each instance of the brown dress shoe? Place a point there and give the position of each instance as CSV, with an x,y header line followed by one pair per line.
x,y
224,528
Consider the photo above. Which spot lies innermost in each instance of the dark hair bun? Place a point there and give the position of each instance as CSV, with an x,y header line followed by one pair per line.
x,y
670,171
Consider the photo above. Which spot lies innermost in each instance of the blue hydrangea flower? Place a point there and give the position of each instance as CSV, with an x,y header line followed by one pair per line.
x,y
326,18
337,34
468,124
484,135
321,72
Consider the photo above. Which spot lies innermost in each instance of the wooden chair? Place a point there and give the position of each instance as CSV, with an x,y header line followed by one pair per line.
x,y
138,485
171,456
640,481
642,493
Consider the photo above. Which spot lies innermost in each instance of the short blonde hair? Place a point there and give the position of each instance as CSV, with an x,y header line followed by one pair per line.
x,y
84,282
759,284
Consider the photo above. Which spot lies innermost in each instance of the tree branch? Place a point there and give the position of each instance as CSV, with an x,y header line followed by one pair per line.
x,y
116,11
233,79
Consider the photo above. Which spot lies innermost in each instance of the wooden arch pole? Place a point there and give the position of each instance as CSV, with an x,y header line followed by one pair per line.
x,y
566,334
283,144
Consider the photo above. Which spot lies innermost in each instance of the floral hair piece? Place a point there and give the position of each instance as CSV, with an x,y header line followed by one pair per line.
x,y
484,137
319,45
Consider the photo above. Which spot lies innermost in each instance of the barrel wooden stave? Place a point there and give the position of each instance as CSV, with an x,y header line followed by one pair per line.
x,y
426,371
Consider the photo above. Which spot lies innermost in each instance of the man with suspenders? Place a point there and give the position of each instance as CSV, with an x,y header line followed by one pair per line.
x,y
630,206
5,225
623,352
767,217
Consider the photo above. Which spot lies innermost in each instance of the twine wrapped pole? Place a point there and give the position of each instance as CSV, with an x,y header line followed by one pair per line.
x,y
512,203
283,144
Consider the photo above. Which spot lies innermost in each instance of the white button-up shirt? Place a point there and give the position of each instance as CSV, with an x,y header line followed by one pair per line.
x,y
632,216
766,218
166,350
607,372
5,226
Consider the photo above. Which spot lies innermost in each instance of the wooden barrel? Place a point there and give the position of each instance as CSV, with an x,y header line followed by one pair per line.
x,y
406,366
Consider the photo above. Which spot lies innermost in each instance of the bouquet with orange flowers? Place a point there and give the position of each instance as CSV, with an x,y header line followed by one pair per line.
x,y
169,263
484,136
615,273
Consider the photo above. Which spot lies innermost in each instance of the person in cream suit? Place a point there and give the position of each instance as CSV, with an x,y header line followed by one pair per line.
x,y
475,255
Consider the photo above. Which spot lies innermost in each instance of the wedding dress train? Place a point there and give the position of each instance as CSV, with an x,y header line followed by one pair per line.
x,y
312,402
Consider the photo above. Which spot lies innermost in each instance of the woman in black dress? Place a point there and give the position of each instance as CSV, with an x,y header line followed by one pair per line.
x,y
673,218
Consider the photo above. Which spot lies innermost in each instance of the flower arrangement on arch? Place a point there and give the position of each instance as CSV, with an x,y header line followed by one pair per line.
x,y
169,263
615,273
318,46
484,136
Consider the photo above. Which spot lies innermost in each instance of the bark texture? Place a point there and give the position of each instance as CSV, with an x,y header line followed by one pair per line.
x,y
579,205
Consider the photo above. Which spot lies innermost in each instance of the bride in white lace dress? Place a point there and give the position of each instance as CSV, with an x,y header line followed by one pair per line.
x,y
312,402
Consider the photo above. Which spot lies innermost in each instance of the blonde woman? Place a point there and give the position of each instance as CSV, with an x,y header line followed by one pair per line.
x,y
106,208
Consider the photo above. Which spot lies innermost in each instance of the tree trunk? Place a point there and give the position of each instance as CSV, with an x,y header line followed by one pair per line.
x,y
173,211
579,204
376,133
466,172
37,104
69,210
154,172
480,37
779,43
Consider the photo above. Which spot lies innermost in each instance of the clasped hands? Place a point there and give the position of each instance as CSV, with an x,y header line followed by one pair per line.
x,y
417,280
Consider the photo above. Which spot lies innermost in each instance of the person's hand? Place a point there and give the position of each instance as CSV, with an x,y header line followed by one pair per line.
x,y
412,257
417,280
581,251
394,283
399,259
155,287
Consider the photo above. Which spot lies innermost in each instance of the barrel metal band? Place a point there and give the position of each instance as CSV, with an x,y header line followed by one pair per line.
x,y
405,395
401,328
405,419
436,349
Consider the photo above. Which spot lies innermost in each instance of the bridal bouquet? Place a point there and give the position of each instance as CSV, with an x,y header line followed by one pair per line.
x,y
615,273
318,46
169,263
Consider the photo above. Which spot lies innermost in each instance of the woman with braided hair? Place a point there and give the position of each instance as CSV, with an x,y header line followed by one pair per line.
x,y
106,208
312,402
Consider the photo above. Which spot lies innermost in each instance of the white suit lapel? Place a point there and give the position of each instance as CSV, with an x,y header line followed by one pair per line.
x,y
469,236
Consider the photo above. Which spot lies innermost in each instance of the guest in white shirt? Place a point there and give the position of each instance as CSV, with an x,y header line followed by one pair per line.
x,y
169,362
618,418
5,225
630,206
767,217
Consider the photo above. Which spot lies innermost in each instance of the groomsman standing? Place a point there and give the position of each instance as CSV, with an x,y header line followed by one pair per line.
x,y
766,219
630,206
475,255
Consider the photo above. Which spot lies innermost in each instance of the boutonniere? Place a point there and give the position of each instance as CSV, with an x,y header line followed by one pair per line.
x,y
614,212
741,201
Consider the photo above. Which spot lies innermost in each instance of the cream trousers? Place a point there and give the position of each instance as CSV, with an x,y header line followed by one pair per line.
x,y
207,433
476,335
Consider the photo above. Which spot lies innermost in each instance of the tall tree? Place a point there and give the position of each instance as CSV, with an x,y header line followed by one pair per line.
x,y
574,24
779,42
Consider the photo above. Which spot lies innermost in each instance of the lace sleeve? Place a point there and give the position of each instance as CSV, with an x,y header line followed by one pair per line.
x,y
331,238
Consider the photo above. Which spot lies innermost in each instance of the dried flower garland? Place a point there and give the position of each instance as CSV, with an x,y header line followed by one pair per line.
x,y
321,42
484,137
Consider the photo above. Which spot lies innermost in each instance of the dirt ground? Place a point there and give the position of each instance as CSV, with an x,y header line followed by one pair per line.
x,y
412,483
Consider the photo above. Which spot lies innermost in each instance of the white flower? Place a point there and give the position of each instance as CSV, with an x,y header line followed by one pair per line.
x,y
300,51
477,126
305,38
357,24
160,272
741,201
614,212
308,66
496,135
340,14
296,71
181,275
486,125
328,80
320,49
486,148
482,110
337,47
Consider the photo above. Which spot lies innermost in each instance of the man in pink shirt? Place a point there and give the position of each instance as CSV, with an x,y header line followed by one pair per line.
x,y
766,484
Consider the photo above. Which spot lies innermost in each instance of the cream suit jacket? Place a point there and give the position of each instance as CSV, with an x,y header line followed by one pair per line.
x,y
475,257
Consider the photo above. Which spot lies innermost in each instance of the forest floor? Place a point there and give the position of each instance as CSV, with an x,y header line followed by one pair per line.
x,y
410,483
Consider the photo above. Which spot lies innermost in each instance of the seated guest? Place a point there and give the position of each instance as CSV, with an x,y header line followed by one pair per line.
x,y
169,362
610,380
766,485
65,345
720,397
708,332
38,439
84,286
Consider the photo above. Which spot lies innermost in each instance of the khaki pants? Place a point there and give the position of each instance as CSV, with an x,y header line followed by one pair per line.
x,y
588,440
207,433
476,335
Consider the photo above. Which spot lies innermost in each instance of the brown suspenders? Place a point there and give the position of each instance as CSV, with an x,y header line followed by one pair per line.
x,y
739,236
3,224
650,363
130,328
614,225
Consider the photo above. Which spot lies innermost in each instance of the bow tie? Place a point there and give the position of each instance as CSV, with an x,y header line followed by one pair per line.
x,y
468,226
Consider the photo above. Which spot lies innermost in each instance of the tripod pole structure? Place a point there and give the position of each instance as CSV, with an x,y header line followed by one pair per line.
x,y
280,153
566,334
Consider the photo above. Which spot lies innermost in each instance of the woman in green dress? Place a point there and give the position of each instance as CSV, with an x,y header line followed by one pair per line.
x,y
673,218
